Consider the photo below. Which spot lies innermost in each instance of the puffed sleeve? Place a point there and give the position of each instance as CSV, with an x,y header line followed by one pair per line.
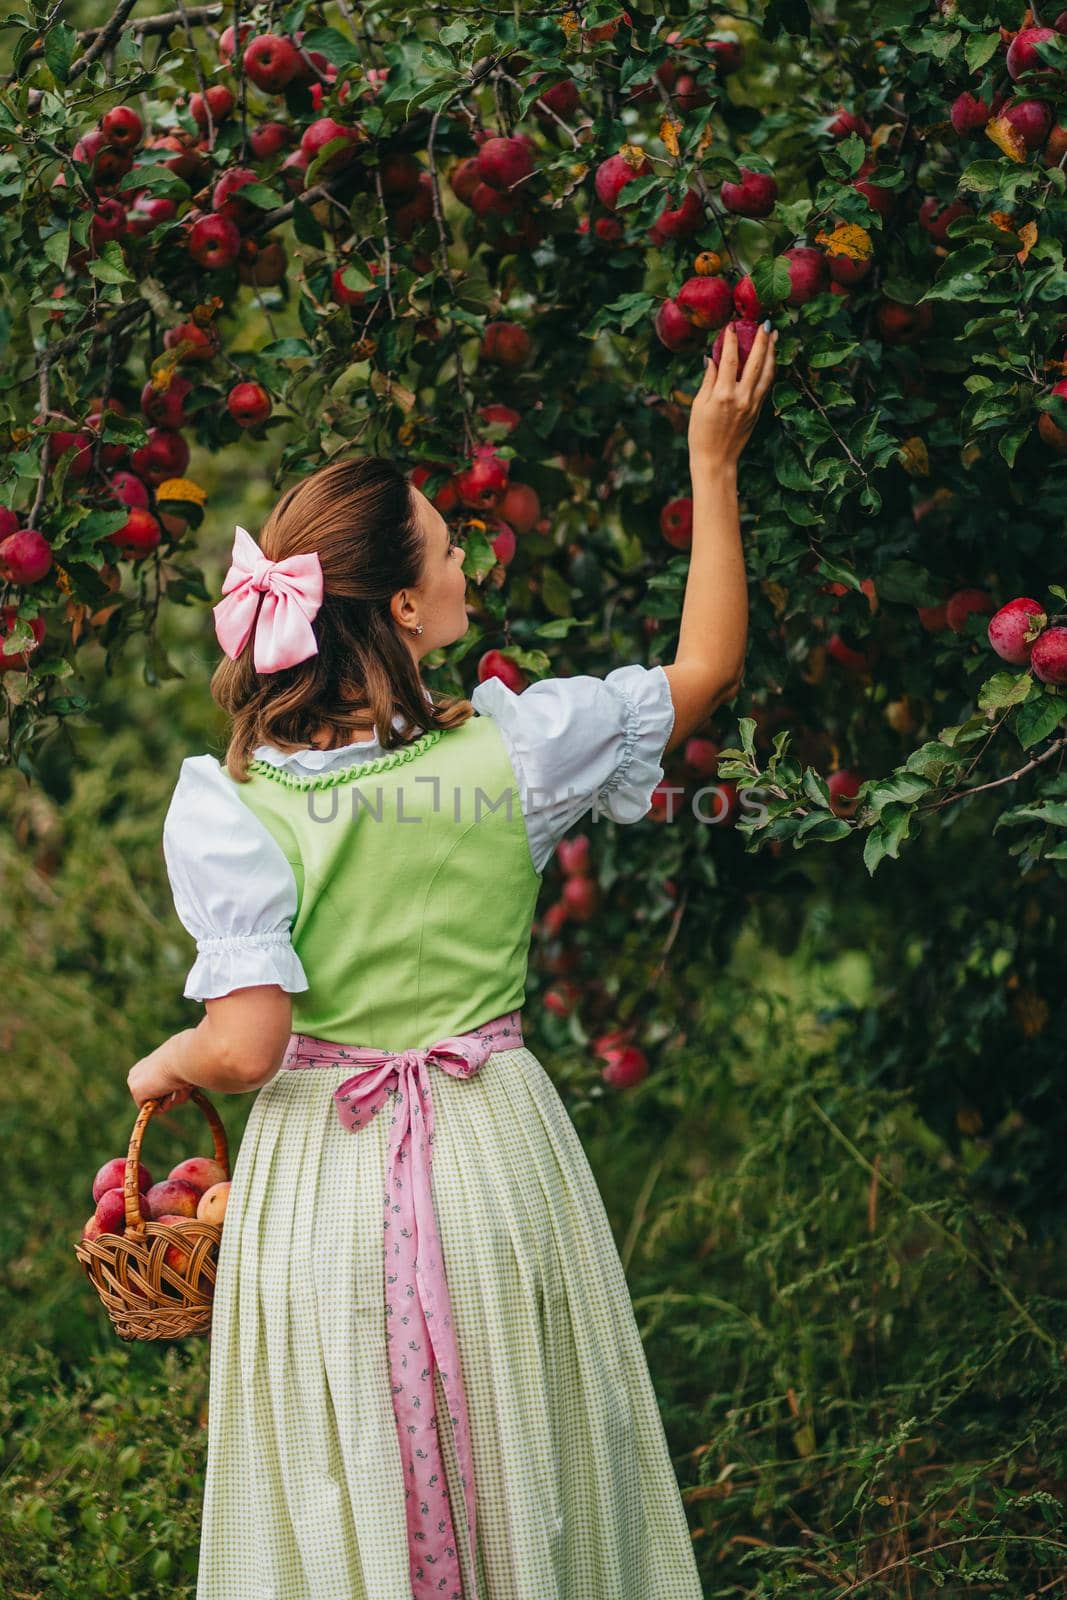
x,y
573,740
233,888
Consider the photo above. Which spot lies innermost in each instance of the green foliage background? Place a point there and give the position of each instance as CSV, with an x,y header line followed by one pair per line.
x,y
839,1193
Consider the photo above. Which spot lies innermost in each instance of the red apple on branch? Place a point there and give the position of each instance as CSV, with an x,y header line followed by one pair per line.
x,y
493,664
122,127
1009,626
248,404
964,603
754,196
25,556
271,61
1048,659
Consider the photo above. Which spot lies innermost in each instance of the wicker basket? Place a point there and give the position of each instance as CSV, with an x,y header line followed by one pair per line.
x,y
146,1297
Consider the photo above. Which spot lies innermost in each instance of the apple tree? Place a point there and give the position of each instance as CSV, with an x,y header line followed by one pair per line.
x,y
497,245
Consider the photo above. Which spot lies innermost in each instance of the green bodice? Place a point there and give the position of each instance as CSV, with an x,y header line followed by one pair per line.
x,y
415,887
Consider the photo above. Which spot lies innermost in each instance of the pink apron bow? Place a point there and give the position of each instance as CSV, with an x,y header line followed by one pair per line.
x,y
418,1304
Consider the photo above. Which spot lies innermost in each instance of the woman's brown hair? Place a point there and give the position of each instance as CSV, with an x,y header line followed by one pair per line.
x,y
361,518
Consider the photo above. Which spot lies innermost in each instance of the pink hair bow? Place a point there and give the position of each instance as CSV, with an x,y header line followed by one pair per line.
x,y
292,594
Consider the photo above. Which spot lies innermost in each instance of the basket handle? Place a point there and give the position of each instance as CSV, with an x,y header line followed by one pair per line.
x,y
131,1193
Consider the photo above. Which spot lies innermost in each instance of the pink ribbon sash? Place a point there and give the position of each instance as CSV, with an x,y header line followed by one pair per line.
x,y
417,1300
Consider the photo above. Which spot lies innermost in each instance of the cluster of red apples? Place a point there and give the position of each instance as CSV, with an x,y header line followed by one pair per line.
x,y
197,1187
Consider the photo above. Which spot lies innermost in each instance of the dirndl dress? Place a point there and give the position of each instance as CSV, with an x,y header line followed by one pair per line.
x,y
577,1497
305,1495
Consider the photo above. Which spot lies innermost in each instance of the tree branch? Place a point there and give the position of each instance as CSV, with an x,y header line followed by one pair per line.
x,y
105,38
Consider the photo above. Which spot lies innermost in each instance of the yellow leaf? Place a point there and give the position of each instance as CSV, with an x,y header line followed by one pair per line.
x,y
182,489
881,134
1031,1012
163,369
569,23
706,139
776,593
1028,235
634,155
668,132
847,239
1005,138
914,457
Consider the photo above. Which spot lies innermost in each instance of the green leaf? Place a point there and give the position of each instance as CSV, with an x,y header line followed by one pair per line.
x,y
555,592
130,430
1052,814
932,760
815,788
60,48
832,354
560,627
822,828
283,349
158,181
976,727
837,572
1009,443
305,227
853,152
57,247
261,195
436,94
874,849
908,584
529,660
790,471
981,175
1004,689
979,48
1036,719
770,278
903,787
110,266
962,275
333,44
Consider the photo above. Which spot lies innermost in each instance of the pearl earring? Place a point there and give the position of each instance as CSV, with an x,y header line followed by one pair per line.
x,y
417,628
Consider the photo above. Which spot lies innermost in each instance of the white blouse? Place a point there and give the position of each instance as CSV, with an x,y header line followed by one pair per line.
x,y
571,741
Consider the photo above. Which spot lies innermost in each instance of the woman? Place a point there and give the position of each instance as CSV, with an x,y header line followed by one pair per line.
x,y
379,1428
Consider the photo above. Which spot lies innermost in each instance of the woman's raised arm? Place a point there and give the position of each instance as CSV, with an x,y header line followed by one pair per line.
x,y
714,628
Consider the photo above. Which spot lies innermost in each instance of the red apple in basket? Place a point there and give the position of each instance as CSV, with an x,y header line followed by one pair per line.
x,y
92,1228
172,1197
176,1255
112,1175
212,1207
201,1171
111,1211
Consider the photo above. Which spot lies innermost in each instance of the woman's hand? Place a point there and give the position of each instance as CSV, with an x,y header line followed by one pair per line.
x,y
725,407
151,1079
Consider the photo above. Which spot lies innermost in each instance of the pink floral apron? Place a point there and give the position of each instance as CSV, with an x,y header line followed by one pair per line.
x,y
417,1301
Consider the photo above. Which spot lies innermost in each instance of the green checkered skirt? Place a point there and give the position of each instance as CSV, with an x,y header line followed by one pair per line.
x,y
304,1497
